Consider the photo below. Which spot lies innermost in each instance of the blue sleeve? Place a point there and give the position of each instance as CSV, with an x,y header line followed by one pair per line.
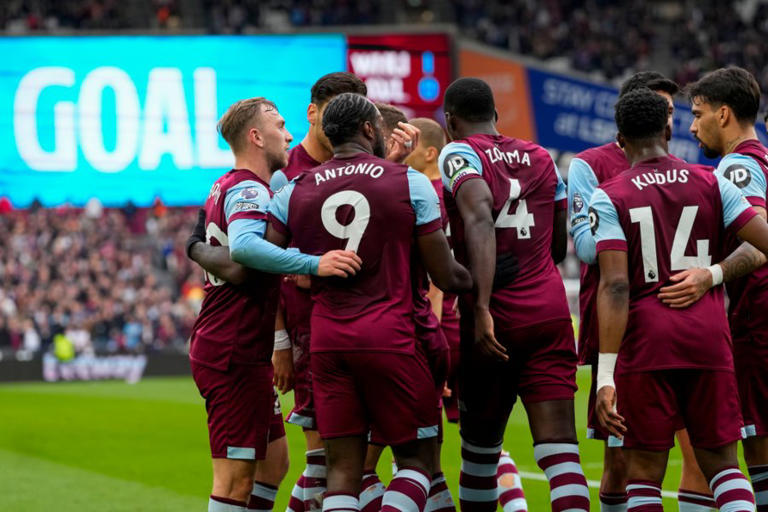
x,y
278,181
423,198
278,208
248,247
604,219
745,173
560,192
582,183
248,198
456,161
734,203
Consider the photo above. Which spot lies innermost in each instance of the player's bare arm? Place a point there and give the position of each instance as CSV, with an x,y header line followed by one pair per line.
x,y
214,259
560,236
612,314
336,263
446,273
475,201
282,356
690,285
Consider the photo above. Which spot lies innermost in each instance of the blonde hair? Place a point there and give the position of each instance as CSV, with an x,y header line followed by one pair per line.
x,y
432,134
240,115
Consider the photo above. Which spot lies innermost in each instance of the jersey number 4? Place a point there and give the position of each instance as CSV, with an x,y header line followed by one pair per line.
x,y
522,220
352,232
678,259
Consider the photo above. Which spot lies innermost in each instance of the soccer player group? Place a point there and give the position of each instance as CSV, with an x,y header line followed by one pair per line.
x,y
369,341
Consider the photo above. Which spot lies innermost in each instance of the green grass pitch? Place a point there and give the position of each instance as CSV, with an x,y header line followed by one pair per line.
x,y
112,446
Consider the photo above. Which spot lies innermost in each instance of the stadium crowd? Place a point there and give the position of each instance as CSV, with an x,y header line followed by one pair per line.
x,y
110,280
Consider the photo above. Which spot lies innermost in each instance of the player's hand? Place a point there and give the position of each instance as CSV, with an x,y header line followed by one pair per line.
x,y
300,280
689,286
198,233
402,141
605,406
447,392
506,270
282,361
339,263
485,339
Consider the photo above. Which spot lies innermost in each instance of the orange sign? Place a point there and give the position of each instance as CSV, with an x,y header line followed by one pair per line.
x,y
509,82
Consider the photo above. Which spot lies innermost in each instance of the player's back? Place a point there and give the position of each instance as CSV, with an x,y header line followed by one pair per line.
x,y
671,218
236,323
747,168
360,203
526,189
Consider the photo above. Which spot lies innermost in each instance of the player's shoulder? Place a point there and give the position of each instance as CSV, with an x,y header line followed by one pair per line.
x,y
299,161
597,154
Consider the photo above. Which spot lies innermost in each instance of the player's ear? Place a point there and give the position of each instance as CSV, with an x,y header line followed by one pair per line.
x,y
620,140
723,115
312,112
496,115
668,132
255,137
369,131
430,155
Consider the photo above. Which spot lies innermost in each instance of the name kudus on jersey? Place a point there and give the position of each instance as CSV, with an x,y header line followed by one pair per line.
x,y
660,178
370,169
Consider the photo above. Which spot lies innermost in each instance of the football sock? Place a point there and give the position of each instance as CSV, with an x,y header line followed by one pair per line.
x,y
407,492
219,504
510,487
371,492
477,481
732,491
296,503
567,485
262,497
340,502
314,478
759,477
613,502
439,499
690,501
643,496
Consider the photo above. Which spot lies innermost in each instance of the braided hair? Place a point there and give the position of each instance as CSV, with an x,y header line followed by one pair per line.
x,y
345,115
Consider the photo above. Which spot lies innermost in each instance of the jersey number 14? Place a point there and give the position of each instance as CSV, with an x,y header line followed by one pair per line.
x,y
678,259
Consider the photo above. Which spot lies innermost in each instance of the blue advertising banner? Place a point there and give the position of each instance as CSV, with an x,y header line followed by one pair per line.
x,y
134,117
573,115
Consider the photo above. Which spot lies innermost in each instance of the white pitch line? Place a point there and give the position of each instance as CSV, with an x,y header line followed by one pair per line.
x,y
592,483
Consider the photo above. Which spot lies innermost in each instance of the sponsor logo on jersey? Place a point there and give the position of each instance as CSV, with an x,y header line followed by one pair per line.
x,y
738,175
578,203
453,164
594,220
244,206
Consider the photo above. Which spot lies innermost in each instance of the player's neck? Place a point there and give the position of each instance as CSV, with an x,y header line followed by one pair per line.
x,y
350,149
642,153
744,134
432,172
315,149
469,129
256,165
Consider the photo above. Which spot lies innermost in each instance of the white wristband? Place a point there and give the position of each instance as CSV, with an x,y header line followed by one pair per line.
x,y
282,340
606,364
717,274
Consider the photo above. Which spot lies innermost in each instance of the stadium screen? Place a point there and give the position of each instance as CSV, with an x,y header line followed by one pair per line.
x,y
134,118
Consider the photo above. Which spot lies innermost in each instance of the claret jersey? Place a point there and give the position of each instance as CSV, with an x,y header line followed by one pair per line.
x,y
376,208
527,189
669,216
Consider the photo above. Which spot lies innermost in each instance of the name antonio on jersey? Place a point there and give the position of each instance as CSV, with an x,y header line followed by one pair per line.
x,y
371,169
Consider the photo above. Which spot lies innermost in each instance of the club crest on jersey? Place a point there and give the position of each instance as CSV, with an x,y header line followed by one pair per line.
x,y
578,203
738,175
594,220
250,193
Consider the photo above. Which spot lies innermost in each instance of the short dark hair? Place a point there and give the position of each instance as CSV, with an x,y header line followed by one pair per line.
x,y
333,84
653,80
392,115
732,86
345,115
641,114
470,99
